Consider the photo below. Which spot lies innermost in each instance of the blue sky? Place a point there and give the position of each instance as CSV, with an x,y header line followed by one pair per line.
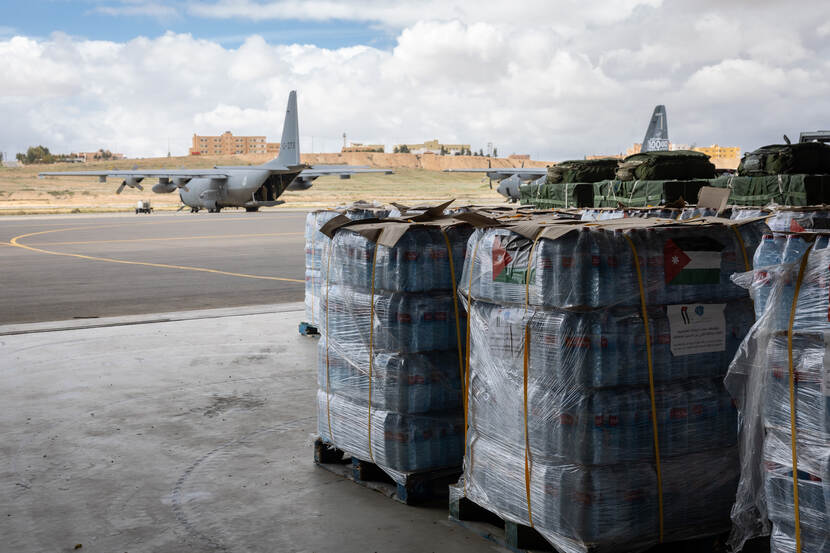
x,y
92,20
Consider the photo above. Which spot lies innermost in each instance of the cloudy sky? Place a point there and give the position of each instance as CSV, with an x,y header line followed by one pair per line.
x,y
554,78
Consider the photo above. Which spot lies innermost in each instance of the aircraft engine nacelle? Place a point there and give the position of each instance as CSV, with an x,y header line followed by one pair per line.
x,y
301,183
132,182
509,188
164,186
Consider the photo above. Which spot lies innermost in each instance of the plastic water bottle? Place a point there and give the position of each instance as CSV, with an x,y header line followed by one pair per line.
x,y
566,287
793,251
768,254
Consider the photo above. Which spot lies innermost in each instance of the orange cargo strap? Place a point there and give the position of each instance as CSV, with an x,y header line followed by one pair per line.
x,y
328,342
650,386
526,363
793,436
455,308
372,346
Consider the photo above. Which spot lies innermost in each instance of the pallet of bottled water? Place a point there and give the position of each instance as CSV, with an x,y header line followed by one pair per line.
x,y
781,383
390,356
584,339
315,247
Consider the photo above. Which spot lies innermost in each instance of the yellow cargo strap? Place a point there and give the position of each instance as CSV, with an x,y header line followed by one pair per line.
x,y
328,341
372,345
650,384
455,308
747,264
793,436
528,459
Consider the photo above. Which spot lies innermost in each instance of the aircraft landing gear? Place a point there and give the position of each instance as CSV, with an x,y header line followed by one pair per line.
x,y
215,210
194,210
252,209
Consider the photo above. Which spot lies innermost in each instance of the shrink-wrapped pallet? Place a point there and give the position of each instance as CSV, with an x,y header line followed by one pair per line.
x,y
389,359
595,404
781,383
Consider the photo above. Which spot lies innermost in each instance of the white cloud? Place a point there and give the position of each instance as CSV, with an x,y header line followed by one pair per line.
x,y
550,79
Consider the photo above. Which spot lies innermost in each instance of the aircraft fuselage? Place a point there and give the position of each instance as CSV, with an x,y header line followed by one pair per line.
x,y
235,191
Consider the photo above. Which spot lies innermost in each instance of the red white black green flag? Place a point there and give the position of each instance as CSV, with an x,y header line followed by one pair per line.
x,y
692,260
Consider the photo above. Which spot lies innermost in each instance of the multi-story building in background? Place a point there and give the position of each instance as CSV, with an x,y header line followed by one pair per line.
x,y
360,147
433,147
228,144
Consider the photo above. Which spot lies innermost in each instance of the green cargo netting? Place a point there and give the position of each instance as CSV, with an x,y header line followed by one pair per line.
x,y
673,165
643,193
557,195
582,171
786,159
797,190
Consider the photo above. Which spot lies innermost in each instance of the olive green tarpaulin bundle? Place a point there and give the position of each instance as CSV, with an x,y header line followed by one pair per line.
x,y
666,165
786,159
557,195
644,193
581,171
782,189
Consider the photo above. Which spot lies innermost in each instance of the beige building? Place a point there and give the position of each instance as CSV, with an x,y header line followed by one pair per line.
x,y
434,147
228,144
360,147
100,155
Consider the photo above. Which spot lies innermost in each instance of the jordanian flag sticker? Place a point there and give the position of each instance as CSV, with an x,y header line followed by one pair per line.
x,y
694,260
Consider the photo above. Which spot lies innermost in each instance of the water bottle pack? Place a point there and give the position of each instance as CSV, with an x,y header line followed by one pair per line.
x,y
390,345
419,261
780,378
316,248
609,507
594,266
399,442
404,383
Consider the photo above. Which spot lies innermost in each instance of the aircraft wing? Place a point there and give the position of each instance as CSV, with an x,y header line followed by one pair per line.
x,y
322,170
507,172
136,173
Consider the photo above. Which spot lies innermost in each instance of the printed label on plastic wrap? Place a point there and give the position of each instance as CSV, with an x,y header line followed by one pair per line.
x,y
697,328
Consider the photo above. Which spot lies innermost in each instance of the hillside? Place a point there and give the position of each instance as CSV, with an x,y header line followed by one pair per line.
x,y
416,178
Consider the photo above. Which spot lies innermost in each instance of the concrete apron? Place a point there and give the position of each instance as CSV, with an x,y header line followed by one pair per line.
x,y
191,434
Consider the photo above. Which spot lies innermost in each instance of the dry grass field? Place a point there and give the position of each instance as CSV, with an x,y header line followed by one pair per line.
x,y
22,192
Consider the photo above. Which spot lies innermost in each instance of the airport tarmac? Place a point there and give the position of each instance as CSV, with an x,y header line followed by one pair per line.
x,y
78,266
190,435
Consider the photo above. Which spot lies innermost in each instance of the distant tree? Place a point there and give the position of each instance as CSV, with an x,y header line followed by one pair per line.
x,y
481,152
495,152
36,154
404,149
443,150
103,154
396,150
1,157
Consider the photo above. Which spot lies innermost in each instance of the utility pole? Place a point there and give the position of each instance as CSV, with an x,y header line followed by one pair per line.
x,y
344,139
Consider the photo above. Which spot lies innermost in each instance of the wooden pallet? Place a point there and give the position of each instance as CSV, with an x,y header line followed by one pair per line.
x,y
417,488
523,539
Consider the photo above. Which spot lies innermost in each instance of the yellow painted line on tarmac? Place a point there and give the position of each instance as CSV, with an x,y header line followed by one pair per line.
x,y
16,242
203,237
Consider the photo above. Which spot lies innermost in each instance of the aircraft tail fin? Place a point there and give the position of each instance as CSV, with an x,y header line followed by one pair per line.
x,y
657,134
290,144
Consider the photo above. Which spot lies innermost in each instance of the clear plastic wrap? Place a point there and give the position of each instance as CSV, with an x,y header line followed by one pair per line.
x,y
783,399
391,349
559,402
795,219
315,247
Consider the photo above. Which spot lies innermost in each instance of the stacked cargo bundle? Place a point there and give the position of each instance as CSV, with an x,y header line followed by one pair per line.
x,y
781,383
390,356
595,405
568,183
785,174
315,247
656,178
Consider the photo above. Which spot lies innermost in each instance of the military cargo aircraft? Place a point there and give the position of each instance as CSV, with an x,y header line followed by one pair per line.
x,y
248,186
656,138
